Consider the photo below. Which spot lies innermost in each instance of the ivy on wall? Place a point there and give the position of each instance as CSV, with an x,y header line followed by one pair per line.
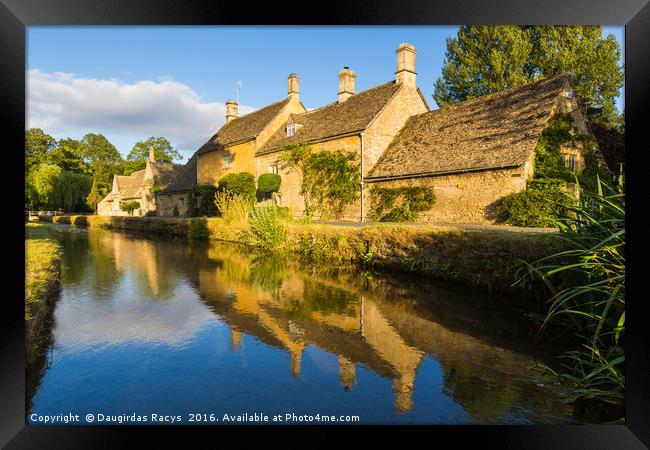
x,y
330,180
402,204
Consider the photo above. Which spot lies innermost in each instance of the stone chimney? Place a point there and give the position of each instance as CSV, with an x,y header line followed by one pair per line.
x,y
231,110
405,72
152,156
346,84
293,89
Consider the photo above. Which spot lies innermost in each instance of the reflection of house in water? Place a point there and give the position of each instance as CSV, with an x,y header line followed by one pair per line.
x,y
388,338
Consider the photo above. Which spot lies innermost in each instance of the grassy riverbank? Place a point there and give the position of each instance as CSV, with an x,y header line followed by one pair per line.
x,y
483,258
42,279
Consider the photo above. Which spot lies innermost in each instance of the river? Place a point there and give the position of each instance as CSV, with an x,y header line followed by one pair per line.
x,y
149,325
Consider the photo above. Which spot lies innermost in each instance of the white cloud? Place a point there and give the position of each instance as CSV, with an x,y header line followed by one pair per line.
x,y
61,102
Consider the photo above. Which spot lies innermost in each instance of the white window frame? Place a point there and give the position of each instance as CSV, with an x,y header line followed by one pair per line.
x,y
227,160
291,129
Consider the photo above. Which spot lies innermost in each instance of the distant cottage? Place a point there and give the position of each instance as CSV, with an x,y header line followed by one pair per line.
x,y
140,186
471,154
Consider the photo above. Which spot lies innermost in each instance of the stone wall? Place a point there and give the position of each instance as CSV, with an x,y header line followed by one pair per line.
x,y
462,198
165,204
210,166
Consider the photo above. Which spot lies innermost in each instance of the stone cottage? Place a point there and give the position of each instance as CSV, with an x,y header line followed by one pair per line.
x,y
232,149
140,186
474,153
177,193
363,123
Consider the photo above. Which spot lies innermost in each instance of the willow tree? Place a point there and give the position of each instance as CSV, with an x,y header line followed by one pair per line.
x,y
485,59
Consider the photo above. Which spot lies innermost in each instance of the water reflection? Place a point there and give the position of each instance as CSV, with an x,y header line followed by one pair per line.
x,y
435,346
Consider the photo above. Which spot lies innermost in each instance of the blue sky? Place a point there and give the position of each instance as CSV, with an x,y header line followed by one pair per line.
x,y
132,82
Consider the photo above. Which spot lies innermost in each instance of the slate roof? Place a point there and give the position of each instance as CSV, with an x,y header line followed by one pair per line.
x,y
129,185
243,128
355,114
185,177
488,132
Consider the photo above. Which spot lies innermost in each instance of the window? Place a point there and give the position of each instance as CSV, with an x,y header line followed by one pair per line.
x,y
572,162
273,168
182,200
563,159
227,160
291,129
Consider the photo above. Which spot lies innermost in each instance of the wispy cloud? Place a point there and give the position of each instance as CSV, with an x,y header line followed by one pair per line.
x,y
65,103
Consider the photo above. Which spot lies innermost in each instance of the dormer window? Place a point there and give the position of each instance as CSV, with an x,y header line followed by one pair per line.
x,y
227,160
568,94
291,129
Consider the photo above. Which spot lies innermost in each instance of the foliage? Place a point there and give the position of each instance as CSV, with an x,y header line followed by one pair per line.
x,y
175,211
42,179
242,183
401,204
70,191
198,230
330,180
129,206
540,205
587,282
548,157
485,59
269,182
67,155
37,145
94,196
102,157
233,208
201,200
267,229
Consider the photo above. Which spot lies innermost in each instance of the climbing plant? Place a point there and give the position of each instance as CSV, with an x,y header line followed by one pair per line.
x,y
201,200
402,204
330,180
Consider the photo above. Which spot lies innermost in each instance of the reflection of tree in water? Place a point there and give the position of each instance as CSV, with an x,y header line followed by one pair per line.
x,y
268,271
103,271
323,298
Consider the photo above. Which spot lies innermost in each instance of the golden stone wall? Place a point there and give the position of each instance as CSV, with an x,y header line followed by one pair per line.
x,y
210,166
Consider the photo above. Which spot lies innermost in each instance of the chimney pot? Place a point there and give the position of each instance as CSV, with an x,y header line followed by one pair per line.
x,y
293,89
346,84
231,110
405,72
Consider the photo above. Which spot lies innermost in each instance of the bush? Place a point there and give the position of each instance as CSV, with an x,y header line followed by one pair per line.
x,y
269,182
175,211
232,207
201,200
198,230
130,206
239,183
540,205
267,229
401,204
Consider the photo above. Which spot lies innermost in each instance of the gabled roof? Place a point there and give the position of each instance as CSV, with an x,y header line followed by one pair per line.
x,y
129,185
492,131
185,178
243,128
354,114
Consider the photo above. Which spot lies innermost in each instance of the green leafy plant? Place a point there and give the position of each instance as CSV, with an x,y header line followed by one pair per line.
x,y
269,182
267,229
201,200
242,183
403,204
330,180
232,207
587,283
129,206
540,205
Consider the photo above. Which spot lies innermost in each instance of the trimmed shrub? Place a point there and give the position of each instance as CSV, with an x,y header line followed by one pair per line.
x,y
403,204
201,200
540,205
269,182
242,183
130,206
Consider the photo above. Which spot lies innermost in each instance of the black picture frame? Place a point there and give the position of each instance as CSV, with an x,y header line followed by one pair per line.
x,y
16,15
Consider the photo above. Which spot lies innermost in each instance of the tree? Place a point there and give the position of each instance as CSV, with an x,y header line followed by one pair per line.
x,y
67,155
37,145
70,191
486,59
95,196
102,157
130,206
42,179
163,151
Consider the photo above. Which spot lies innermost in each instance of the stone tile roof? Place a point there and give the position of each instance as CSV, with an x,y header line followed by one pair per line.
x,y
496,130
243,128
185,177
355,114
129,185
165,172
